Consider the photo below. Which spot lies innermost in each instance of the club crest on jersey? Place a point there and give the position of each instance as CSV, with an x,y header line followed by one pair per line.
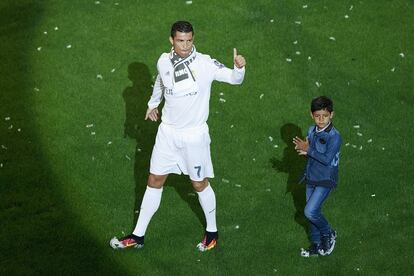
x,y
218,64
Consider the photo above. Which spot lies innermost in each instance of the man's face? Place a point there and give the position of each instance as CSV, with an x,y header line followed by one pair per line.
x,y
322,117
182,43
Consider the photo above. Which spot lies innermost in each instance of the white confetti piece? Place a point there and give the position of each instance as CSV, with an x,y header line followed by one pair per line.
x,y
97,2
11,126
222,100
270,138
68,46
347,144
318,84
99,76
93,158
39,48
236,227
188,2
1,165
56,28
268,190
109,143
356,126
360,147
198,260
295,42
93,133
116,4
36,89
275,269
19,129
272,20
261,96
237,185
289,60
127,157
113,70
89,125
369,141
225,180
297,52
373,195
346,16
305,6
3,147
354,146
402,55
45,32
221,94
254,159
393,69
136,211
332,38
383,148
357,268
231,126
7,118
275,146
298,22
309,57
139,150
359,133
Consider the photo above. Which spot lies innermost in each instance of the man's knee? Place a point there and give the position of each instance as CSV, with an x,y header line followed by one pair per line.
x,y
199,186
156,181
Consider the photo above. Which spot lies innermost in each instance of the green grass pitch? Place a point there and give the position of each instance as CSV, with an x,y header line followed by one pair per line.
x,y
75,77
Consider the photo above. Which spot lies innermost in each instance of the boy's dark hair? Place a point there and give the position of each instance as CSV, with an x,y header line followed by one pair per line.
x,y
181,26
321,103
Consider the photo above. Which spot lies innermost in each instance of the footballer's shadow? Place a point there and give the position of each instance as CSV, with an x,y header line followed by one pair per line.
x,y
293,164
136,127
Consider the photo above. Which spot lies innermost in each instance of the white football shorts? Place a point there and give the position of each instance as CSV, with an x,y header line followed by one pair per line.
x,y
184,151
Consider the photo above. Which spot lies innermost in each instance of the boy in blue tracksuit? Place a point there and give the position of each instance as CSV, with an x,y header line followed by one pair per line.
x,y
321,147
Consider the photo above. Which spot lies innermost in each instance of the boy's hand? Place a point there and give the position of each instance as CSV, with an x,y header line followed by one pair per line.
x,y
301,146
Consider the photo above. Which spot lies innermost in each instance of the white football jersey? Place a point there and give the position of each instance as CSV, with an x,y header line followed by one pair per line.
x,y
190,108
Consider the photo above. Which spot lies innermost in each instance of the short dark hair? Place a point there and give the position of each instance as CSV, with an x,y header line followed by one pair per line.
x,y
181,26
321,103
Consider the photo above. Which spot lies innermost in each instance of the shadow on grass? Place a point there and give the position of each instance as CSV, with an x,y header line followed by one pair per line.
x,y
136,127
39,234
136,98
293,165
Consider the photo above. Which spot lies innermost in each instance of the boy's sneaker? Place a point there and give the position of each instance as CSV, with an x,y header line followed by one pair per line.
x,y
328,244
312,251
126,242
209,241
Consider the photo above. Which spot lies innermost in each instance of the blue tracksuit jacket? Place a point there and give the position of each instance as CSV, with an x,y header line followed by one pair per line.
x,y
323,157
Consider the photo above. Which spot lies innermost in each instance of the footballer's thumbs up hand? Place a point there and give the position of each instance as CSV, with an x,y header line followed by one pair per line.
x,y
239,60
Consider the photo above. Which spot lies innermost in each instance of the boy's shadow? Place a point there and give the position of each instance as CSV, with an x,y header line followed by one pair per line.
x,y
293,164
136,98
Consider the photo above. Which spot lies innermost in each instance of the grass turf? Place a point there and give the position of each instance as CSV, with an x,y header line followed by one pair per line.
x,y
66,191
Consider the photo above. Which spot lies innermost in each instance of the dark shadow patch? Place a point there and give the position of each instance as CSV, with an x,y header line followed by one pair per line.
x,y
293,165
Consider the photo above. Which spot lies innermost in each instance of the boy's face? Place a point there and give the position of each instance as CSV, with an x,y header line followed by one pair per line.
x,y
322,117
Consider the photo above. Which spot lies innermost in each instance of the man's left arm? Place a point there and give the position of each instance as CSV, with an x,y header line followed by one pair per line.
x,y
234,76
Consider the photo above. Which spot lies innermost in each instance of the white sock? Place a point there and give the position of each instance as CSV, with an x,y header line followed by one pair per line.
x,y
207,200
149,205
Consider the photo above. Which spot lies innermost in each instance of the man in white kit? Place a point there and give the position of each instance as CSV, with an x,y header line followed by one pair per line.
x,y
182,144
